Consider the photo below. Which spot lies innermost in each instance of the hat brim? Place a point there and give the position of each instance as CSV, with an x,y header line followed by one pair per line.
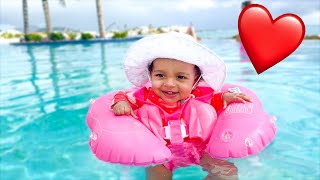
x,y
174,46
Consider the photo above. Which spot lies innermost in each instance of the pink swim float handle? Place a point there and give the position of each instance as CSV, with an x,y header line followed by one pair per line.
x,y
241,130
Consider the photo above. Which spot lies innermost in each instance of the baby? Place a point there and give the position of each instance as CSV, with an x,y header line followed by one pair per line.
x,y
175,105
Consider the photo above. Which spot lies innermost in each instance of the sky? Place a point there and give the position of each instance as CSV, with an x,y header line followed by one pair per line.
x,y
203,14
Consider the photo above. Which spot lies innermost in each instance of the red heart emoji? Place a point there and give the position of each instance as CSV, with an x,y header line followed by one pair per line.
x,y
268,41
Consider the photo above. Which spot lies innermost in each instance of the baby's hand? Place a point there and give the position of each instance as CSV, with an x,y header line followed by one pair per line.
x,y
123,108
230,97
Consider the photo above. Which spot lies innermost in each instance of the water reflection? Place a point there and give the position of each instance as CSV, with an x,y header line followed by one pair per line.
x,y
103,70
54,75
66,74
243,54
247,70
33,78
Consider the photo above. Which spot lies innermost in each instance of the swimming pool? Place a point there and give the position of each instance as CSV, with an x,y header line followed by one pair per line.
x,y
45,93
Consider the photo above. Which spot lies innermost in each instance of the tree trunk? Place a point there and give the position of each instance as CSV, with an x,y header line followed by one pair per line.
x,y
46,12
100,18
25,16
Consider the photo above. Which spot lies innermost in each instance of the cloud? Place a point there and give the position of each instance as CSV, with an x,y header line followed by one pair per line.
x,y
205,14
127,6
279,5
312,18
192,5
4,27
227,4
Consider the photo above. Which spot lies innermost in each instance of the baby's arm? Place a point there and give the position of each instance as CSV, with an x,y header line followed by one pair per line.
x,y
122,106
217,101
221,100
230,97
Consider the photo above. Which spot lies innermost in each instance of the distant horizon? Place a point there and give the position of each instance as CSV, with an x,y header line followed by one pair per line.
x,y
203,14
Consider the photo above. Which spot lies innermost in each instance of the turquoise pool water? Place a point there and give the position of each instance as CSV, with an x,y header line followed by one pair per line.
x,y
45,93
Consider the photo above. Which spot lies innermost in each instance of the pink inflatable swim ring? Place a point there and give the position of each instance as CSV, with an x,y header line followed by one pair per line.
x,y
241,129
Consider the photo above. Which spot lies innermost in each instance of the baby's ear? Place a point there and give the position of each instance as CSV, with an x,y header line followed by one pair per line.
x,y
149,75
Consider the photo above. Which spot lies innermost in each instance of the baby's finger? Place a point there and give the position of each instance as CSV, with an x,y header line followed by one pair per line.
x,y
238,99
122,110
116,111
225,104
133,114
245,97
243,101
127,110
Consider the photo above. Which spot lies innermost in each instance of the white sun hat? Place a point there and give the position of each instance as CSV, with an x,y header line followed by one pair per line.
x,y
177,46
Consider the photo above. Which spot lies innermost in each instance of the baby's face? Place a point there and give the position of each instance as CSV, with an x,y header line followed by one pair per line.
x,y
172,80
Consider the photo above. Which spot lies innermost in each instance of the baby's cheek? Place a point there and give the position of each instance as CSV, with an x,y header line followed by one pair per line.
x,y
155,84
186,93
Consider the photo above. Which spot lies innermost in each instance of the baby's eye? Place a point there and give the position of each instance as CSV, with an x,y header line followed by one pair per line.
x,y
159,75
181,77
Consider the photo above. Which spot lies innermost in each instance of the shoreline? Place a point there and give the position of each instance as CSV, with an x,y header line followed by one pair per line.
x,y
62,42
306,37
134,37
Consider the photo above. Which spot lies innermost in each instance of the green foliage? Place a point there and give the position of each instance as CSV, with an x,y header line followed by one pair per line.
x,y
10,35
33,37
86,36
119,35
312,37
18,35
72,36
56,36
158,31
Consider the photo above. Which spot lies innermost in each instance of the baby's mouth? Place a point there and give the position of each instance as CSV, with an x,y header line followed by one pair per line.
x,y
169,93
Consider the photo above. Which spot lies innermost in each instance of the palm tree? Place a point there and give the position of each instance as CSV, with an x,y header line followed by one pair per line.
x,y
25,16
45,6
100,18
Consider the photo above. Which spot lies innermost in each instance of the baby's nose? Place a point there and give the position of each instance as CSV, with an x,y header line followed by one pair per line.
x,y
170,82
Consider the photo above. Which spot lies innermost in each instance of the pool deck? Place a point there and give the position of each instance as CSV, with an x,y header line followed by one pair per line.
x,y
77,41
